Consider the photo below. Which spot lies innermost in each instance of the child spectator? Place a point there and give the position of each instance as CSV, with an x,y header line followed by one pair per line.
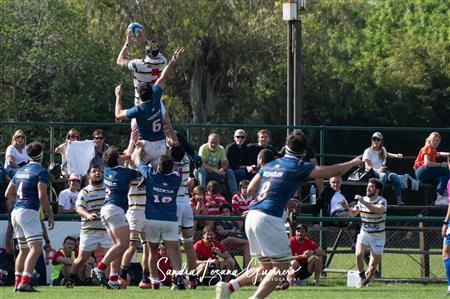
x,y
68,197
240,202
213,199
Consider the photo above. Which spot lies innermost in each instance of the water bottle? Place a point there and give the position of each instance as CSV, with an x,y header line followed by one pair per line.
x,y
312,195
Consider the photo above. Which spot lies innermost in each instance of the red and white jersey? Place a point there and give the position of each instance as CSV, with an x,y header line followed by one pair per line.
x,y
146,70
184,169
213,202
240,202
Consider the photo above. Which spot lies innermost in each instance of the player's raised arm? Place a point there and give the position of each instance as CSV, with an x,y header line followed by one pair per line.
x,y
120,113
334,170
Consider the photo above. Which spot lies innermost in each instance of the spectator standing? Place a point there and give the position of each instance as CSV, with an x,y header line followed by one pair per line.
x,y
238,157
428,170
372,208
71,136
68,197
98,136
215,164
16,154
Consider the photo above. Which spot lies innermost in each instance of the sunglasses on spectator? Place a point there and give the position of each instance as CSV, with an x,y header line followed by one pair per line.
x,y
376,139
99,137
240,137
20,137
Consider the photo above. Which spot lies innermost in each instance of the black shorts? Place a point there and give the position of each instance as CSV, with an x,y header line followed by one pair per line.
x,y
303,273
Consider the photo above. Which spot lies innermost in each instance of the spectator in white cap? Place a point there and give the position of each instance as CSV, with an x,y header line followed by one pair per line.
x,y
375,157
238,157
68,197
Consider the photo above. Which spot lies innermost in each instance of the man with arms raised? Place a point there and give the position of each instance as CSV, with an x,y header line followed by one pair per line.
x,y
28,189
372,208
277,182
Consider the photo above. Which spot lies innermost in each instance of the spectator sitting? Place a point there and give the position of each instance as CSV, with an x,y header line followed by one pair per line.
x,y
306,258
72,135
98,137
164,265
68,197
241,201
330,198
213,199
375,157
263,143
427,169
197,201
16,154
231,235
64,259
238,157
215,164
209,252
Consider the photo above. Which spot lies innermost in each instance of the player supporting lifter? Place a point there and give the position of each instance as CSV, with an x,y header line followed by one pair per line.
x,y
372,208
136,219
93,233
184,210
150,115
277,182
162,186
117,179
28,189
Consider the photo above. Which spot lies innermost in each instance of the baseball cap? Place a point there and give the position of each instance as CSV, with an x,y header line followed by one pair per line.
x,y
301,226
377,135
74,177
240,132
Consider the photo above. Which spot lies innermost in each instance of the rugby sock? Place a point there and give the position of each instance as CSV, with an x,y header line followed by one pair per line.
x,y
73,276
123,272
101,266
113,276
17,278
362,274
155,281
145,275
233,285
447,270
26,278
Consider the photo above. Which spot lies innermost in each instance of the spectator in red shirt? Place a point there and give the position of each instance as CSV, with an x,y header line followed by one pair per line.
x,y
164,265
209,252
213,199
306,258
64,257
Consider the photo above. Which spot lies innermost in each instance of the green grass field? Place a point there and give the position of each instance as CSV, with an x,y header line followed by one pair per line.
x,y
328,290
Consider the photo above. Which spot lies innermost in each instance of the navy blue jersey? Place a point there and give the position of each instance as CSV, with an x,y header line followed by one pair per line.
x,y
117,180
279,181
26,181
2,177
162,190
149,117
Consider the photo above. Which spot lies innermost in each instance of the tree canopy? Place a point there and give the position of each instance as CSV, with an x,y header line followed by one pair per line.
x,y
364,62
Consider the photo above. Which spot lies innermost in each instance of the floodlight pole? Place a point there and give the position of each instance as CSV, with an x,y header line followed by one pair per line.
x,y
294,66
